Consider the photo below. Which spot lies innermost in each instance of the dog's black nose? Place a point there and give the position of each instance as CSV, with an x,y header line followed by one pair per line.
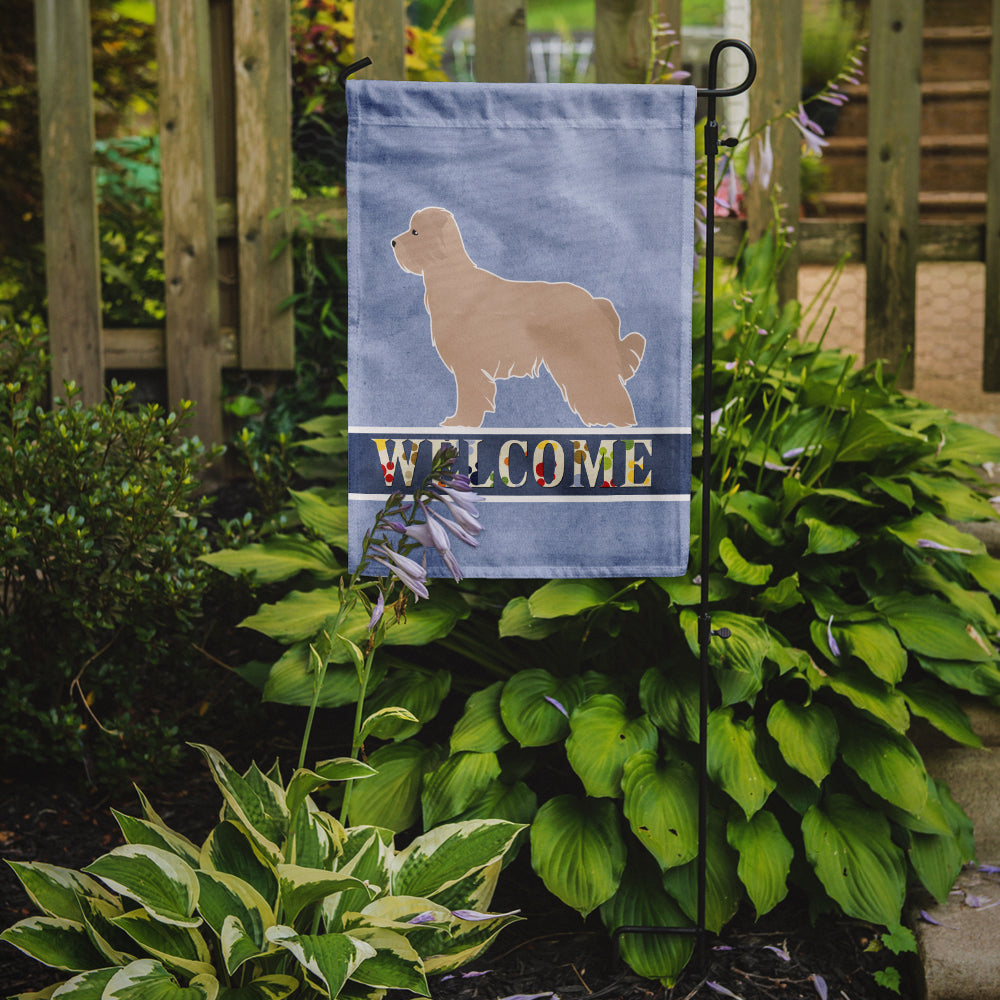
x,y
393,242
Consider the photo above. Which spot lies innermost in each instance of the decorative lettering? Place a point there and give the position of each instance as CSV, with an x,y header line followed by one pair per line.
x,y
602,465
399,462
505,473
558,464
632,463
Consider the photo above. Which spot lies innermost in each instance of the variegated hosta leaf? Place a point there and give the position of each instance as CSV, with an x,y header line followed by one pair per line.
x,y
158,880
888,763
300,887
116,947
476,890
86,986
661,799
230,849
304,782
54,941
56,891
535,706
367,853
238,945
467,940
147,979
456,784
807,736
224,897
481,727
578,851
329,959
315,838
395,964
256,801
850,847
441,857
732,760
642,902
723,889
391,799
177,947
765,858
602,737
141,831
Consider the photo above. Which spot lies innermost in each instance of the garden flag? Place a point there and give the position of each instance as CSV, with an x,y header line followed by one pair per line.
x,y
520,262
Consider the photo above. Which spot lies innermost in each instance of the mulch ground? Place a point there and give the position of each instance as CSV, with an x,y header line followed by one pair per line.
x,y
552,952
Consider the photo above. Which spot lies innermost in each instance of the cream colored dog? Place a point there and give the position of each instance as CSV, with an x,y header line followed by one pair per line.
x,y
486,328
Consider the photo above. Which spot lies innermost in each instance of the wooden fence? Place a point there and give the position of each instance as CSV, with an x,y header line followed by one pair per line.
x,y
226,160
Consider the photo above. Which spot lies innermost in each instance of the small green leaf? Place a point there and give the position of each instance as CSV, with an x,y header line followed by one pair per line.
x,y
327,520
481,727
670,698
888,763
578,851
765,858
391,798
732,760
279,558
807,736
517,620
456,785
559,598
739,569
530,706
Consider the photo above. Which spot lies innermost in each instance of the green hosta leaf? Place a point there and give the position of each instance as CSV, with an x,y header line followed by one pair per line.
x,y
301,887
260,809
739,569
230,849
869,436
893,488
732,760
56,891
180,948
456,784
827,539
386,723
602,738
481,728
956,500
225,897
330,959
865,692
395,964
931,628
279,558
723,889
54,941
292,681
418,690
304,782
758,511
783,595
986,571
765,858
937,859
641,901
671,699
976,678
807,736
578,851
661,798
391,798
965,443
438,859
558,598
515,803
683,591
888,763
928,528
327,520
159,881
517,620
876,646
274,987
141,831
850,847
941,709
98,916
527,711
976,605
147,979
738,661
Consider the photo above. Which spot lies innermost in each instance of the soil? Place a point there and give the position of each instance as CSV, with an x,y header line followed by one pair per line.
x,y
551,952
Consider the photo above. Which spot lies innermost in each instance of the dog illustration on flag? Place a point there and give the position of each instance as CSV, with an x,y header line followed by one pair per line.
x,y
486,328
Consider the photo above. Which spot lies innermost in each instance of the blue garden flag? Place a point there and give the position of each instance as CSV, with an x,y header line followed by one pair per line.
x,y
520,273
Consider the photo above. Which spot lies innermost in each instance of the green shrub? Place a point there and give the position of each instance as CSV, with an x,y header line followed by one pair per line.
x,y
279,900
854,603
99,540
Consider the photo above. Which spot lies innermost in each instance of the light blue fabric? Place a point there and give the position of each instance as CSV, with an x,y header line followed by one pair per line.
x,y
591,185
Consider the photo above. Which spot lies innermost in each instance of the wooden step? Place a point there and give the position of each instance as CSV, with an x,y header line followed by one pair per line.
x,y
947,162
956,53
957,206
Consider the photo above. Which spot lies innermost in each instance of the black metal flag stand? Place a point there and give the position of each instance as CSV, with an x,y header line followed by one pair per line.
x,y
705,631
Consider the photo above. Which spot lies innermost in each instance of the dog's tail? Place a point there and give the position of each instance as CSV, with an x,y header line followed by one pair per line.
x,y
630,350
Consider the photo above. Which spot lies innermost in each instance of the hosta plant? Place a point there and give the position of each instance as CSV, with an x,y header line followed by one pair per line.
x,y
279,900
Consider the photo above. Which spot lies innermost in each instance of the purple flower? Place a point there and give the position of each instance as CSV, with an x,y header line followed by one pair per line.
x,y
834,648
558,705
811,132
927,543
820,983
427,917
780,952
377,612
410,573
761,163
719,988
475,915
457,530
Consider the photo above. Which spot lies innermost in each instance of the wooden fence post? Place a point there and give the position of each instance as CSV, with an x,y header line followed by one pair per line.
x,y
190,252
501,37
991,332
893,183
380,34
622,40
776,35
262,60
72,256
